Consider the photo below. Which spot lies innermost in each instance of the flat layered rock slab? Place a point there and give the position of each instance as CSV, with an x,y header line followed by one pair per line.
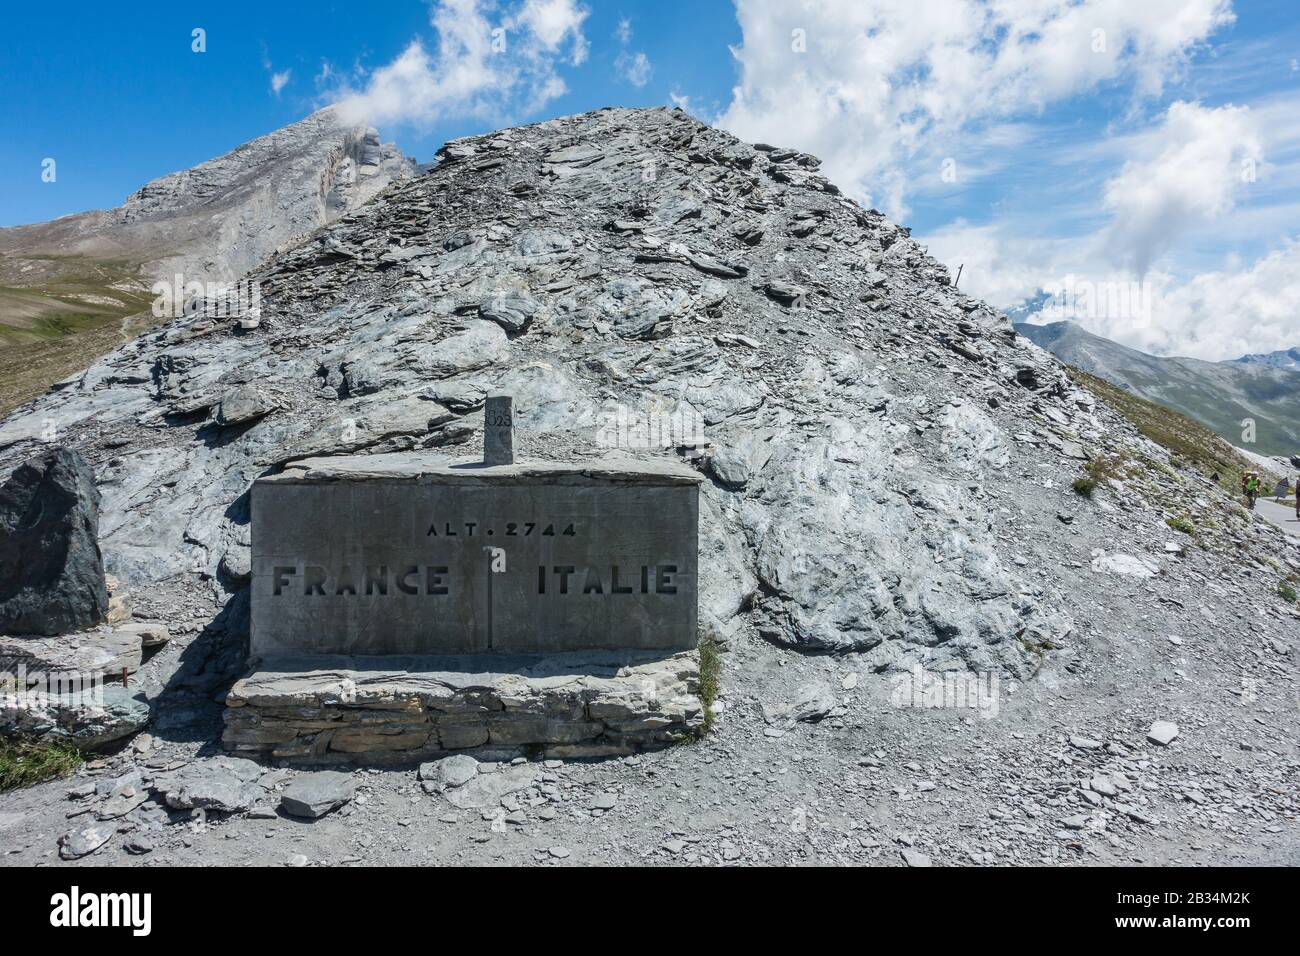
x,y
432,468
317,794
88,721
327,710
107,652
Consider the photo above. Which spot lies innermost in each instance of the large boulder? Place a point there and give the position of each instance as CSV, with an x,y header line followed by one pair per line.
x,y
51,570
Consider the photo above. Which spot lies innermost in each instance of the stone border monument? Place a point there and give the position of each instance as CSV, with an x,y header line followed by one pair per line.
x,y
406,605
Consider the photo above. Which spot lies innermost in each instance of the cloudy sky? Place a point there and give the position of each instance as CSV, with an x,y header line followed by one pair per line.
x,y
1132,164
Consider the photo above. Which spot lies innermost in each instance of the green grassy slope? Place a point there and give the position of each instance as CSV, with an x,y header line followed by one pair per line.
x,y
58,314
1191,441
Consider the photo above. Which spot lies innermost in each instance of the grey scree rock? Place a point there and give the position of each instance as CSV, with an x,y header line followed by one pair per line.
x,y
1162,733
78,843
225,785
488,789
51,571
316,794
454,771
244,404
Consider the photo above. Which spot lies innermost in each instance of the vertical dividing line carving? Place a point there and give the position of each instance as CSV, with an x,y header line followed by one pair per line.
x,y
489,598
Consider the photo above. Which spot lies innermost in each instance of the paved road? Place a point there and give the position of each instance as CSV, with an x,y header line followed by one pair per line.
x,y
1281,515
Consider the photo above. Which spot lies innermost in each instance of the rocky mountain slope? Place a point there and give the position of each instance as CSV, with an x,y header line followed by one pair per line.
x,y
897,483
1218,394
89,274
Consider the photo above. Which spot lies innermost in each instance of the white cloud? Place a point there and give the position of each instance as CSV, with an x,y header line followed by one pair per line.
x,y
551,23
997,263
877,84
478,68
1232,312
634,67
1216,314
1199,161
278,80
1185,176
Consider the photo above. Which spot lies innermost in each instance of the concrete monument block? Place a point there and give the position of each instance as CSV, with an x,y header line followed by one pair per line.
x,y
413,554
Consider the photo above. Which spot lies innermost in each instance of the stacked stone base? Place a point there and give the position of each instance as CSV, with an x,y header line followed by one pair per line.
x,y
398,710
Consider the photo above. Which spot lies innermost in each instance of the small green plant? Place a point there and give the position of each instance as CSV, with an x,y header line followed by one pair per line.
x,y
1287,592
1182,523
1099,470
26,762
710,677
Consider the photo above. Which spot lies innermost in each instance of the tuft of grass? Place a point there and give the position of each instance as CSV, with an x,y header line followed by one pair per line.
x,y
710,677
1182,523
1097,471
27,762
1287,592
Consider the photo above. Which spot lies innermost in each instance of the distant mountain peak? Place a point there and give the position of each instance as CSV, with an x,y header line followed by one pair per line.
x,y
1283,358
219,219
92,273
1220,395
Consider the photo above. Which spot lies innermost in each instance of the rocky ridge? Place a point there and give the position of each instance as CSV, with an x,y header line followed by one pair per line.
x,y
622,258
75,288
1220,395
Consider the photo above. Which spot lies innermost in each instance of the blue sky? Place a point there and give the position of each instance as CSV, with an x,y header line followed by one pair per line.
x,y
1069,145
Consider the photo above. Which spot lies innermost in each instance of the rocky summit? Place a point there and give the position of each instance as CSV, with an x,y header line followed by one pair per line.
x,y
216,221
632,263
913,518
